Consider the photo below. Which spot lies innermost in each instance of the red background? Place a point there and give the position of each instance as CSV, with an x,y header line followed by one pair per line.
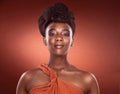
x,y
96,43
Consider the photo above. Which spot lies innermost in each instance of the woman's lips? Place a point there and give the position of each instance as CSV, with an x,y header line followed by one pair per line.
x,y
59,46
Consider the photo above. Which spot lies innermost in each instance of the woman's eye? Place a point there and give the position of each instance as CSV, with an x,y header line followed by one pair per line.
x,y
65,34
52,34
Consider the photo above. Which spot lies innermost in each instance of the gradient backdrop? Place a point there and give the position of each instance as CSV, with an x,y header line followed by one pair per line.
x,y
96,44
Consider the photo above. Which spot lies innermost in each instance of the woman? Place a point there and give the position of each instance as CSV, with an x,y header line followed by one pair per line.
x,y
59,76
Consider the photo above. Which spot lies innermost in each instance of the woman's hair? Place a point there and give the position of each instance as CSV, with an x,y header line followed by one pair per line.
x,y
57,13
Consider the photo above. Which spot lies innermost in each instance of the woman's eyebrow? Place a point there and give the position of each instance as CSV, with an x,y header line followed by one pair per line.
x,y
51,29
66,30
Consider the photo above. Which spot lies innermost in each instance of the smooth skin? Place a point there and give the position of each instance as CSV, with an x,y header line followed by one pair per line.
x,y
59,39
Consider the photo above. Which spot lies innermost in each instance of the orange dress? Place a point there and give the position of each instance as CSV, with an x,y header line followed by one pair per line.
x,y
55,86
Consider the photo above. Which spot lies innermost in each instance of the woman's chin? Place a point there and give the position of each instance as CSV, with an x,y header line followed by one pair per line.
x,y
59,53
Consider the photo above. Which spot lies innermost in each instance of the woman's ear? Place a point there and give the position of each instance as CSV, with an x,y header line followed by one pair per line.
x,y
44,41
72,42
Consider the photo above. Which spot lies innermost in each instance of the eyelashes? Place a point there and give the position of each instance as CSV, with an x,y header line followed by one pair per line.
x,y
51,33
66,34
55,33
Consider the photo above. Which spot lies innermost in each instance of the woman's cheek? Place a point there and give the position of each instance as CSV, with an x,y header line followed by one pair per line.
x,y
51,41
68,41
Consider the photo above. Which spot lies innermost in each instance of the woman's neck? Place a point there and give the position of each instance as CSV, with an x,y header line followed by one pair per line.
x,y
58,62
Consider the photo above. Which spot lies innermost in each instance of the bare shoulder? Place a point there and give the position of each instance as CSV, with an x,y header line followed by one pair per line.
x,y
87,81
91,83
29,79
87,76
28,75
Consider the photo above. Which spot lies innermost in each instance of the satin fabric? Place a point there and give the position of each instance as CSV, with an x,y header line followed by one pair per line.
x,y
55,86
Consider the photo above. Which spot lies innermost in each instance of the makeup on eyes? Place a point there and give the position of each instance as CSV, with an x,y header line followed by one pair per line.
x,y
53,32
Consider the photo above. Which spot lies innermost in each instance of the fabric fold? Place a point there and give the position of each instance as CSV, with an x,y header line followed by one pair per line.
x,y
55,86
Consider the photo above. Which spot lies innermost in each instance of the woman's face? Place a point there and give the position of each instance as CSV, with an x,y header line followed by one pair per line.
x,y
58,38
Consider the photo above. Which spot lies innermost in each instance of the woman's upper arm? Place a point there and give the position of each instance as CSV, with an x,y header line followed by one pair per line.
x,y
94,87
21,86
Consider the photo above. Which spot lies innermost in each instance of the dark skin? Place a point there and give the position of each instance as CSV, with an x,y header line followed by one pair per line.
x,y
59,39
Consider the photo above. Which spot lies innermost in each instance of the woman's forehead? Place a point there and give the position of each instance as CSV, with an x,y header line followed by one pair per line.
x,y
58,25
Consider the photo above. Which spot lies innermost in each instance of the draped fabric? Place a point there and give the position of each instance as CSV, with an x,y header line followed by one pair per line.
x,y
55,86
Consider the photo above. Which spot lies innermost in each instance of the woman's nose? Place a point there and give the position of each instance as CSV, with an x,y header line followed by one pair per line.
x,y
59,38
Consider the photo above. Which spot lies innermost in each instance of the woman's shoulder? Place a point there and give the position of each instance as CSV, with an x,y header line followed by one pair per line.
x,y
86,79
81,72
29,74
31,78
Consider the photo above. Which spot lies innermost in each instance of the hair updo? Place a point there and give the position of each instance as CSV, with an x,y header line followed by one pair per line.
x,y
57,13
